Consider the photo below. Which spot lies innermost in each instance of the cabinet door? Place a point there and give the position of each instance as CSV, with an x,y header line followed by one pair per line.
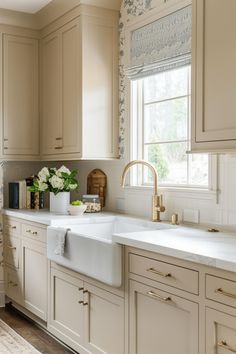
x,y
66,313
51,115
214,75
20,95
11,251
160,322
220,332
104,321
34,272
71,89
13,284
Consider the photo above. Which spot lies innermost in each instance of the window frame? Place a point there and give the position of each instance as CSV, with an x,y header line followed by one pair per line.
x,y
136,129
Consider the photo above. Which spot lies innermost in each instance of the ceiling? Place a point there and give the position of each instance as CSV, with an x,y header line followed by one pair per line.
x,y
30,6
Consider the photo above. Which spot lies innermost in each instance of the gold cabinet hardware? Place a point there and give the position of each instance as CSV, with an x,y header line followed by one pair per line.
x,y
85,303
159,297
12,283
85,291
32,232
80,289
11,247
5,139
59,138
225,293
164,275
81,302
58,147
223,344
13,227
5,148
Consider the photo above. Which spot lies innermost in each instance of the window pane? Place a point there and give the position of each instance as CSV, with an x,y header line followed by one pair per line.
x,y
198,169
170,160
166,121
165,85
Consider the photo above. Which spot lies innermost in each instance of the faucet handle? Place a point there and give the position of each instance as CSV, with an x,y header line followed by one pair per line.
x,y
160,203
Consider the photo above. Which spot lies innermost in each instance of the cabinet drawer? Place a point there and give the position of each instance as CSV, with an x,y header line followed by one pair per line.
x,y
13,284
11,227
166,273
34,232
11,251
221,290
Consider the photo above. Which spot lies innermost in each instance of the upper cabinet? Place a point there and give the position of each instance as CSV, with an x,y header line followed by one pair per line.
x,y
79,87
214,76
20,122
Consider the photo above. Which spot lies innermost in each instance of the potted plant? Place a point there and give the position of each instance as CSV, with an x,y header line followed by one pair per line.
x,y
59,182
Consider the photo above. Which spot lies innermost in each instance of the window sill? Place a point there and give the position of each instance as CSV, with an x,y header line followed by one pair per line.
x,y
188,192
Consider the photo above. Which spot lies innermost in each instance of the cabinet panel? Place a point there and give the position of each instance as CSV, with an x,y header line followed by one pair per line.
x,y
214,75
20,96
34,269
51,116
66,314
11,251
163,272
71,89
220,332
161,320
13,285
104,321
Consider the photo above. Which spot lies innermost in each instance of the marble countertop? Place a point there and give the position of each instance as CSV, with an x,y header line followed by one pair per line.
x,y
187,243
191,243
50,219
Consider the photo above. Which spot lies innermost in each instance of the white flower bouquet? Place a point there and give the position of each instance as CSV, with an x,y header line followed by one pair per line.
x,y
55,180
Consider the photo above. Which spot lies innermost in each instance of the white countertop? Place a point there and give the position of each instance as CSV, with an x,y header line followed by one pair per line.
x,y
188,243
50,219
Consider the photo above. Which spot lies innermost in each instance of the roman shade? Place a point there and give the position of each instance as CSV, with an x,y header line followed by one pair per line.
x,y
161,45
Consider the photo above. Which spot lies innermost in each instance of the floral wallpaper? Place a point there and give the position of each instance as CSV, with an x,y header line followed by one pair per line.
x,y
129,9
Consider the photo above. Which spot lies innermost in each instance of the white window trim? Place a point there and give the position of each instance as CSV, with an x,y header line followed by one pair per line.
x,y
211,192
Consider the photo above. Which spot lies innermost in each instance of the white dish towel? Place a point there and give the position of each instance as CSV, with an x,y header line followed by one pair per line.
x,y
61,240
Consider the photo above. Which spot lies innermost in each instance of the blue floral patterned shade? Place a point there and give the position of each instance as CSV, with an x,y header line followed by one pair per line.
x,y
161,45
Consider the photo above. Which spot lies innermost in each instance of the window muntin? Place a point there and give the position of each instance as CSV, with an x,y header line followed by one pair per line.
x,y
161,130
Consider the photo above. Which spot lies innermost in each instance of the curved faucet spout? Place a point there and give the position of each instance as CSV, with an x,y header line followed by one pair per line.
x,y
157,206
140,162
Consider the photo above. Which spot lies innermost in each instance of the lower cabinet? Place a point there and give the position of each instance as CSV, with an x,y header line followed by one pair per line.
x,y
85,317
220,332
160,322
13,284
34,277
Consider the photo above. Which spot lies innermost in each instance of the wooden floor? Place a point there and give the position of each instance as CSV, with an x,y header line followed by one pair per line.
x,y
33,334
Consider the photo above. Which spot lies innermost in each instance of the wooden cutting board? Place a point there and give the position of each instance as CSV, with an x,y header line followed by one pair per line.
x,y
97,184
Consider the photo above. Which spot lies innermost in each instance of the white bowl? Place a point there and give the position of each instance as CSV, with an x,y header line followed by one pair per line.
x,y
77,209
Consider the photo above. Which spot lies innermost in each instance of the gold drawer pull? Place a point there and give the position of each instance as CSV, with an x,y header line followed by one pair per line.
x,y
223,344
225,293
81,302
58,147
11,247
159,297
32,232
11,283
13,227
85,303
80,289
164,275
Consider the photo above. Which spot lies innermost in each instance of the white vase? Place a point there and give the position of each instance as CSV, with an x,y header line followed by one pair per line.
x,y
59,203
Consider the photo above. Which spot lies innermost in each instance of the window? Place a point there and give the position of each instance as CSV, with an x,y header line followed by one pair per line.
x,y
161,130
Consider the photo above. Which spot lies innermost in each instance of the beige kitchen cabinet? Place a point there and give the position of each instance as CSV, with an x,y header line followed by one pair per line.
x,y
160,322
34,277
79,87
20,97
213,76
220,332
86,317
104,321
26,265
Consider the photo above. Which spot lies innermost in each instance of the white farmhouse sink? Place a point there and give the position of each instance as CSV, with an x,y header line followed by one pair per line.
x,y
89,248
